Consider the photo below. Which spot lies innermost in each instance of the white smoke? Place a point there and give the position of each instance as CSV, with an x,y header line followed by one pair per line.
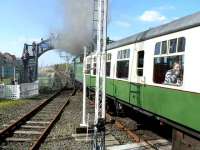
x,y
78,26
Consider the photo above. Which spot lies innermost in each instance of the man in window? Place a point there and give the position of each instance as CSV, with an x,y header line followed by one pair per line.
x,y
173,76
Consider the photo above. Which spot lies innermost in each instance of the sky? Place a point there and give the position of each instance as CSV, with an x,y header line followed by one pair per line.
x,y
24,21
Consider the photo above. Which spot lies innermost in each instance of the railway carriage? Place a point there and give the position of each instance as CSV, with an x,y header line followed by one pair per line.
x,y
137,67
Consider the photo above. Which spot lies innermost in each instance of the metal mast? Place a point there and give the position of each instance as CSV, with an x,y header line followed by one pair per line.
x,y
101,60
98,63
99,121
104,58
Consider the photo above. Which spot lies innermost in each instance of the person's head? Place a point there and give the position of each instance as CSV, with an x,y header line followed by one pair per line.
x,y
177,68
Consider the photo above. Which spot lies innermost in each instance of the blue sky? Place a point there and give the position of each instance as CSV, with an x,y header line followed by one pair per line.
x,y
27,20
131,16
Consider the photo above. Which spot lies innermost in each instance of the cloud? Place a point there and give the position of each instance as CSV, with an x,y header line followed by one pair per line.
x,y
152,16
124,24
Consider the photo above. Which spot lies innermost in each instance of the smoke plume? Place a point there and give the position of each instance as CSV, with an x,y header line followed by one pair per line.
x,y
78,26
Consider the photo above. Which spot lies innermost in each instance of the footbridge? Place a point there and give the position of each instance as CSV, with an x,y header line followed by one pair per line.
x,y
30,56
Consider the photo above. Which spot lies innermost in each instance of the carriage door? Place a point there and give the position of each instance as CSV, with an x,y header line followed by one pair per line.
x,y
136,94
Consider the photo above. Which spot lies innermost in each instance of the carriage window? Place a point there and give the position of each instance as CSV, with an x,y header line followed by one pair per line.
x,y
164,47
169,70
140,63
94,66
181,44
172,45
94,69
81,59
108,64
108,57
123,54
108,69
88,69
122,69
157,48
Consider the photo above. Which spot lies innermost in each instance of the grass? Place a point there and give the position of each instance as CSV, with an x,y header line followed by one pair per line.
x,y
4,104
7,103
6,81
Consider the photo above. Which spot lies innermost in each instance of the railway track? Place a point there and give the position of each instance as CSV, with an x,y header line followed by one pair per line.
x,y
140,139
29,131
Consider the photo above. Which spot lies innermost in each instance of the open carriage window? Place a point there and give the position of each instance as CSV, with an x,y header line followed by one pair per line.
x,y
169,65
169,70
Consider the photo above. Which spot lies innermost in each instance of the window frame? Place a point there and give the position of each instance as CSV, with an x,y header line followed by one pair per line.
x,y
109,69
94,68
140,68
120,59
168,47
94,64
169,85
123,60
88,62
108,60
175,46
88,72
161,53
120,54
168,54
160,48
182,43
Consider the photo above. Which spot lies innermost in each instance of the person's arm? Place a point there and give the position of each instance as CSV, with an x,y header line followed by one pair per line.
x,y
168,77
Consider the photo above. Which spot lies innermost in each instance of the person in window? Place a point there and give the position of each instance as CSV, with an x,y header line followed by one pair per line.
x,y
173,76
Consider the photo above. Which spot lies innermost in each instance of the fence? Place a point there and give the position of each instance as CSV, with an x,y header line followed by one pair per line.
x,y
24,90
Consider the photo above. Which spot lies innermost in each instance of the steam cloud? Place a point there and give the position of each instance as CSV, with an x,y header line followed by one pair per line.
x,y
78,26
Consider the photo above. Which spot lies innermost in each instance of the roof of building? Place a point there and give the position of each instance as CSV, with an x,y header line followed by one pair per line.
x,y
172,27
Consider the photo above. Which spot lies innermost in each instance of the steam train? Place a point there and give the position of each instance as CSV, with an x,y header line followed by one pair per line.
x,y
136,69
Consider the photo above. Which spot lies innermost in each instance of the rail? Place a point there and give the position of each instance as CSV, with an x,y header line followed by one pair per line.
x,y
48,104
